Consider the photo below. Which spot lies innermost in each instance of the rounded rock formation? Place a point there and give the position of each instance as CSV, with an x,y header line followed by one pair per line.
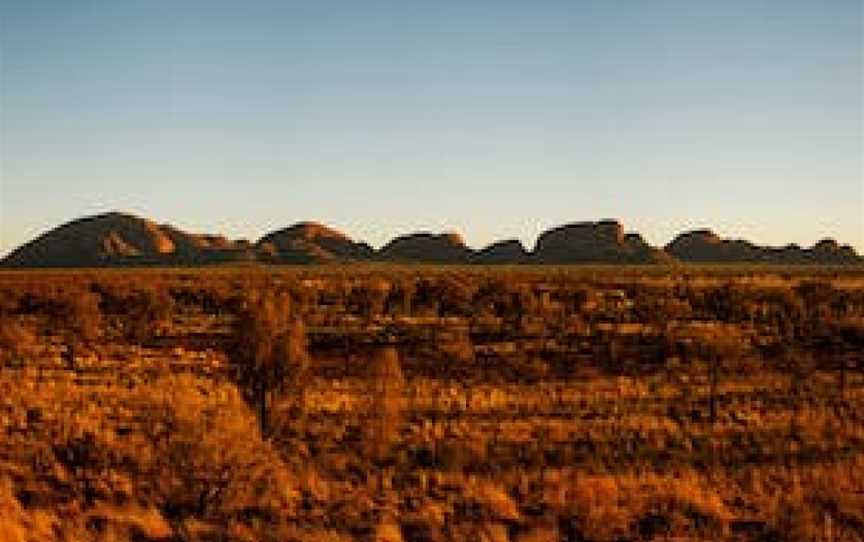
x,y
446,248
310,242
509,251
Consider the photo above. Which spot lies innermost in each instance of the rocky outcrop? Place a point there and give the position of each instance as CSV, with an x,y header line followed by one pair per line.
x,y
510,251
829,251
202,249
310,242
120,239
705,246
446,248
594,242
112,239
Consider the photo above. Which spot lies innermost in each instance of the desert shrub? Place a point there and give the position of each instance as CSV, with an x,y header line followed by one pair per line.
x,y
126,462
849,331
386,386
427,297
147,311
607,508
14,518
726,303
78,320
17,524
457,296
82,317
815,293
113,294
17,342
784,310
141,310
269,349
534,369
8,301
206,458
490,500
127,522
304,298
456,346
39,297
375,297
812,505
402,296
578,296
720,347
198,454
492,297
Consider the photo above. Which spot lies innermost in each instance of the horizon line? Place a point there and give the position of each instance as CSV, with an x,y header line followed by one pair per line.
x,y
444,231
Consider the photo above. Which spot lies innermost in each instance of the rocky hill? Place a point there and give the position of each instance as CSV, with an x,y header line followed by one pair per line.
x,y
594,242
120,239
509,251
310,242
427,248
705,246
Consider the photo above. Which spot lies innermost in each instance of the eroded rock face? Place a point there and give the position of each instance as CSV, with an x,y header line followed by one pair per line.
x,y
427,248
510,251
310,242
202,249
593,242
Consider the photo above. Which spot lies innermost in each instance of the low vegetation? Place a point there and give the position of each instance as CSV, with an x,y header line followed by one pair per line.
x,y
409,404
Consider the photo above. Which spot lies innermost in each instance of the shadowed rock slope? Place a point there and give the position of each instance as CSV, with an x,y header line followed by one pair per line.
x,y
705,246
119,239
427,248
310,242
594,242
509,251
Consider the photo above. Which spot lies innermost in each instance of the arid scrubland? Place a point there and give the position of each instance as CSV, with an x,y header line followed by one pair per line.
x,y
386,403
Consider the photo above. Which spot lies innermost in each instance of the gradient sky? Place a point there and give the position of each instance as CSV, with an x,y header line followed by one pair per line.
x,y
493,118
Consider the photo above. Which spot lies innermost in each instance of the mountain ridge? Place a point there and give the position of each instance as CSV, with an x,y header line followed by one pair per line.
x,y
123,239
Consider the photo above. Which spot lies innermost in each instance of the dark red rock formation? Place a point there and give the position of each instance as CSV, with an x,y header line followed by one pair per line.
x,y
593,242
111,239
310,242
704,246
119,239
427,248
510,251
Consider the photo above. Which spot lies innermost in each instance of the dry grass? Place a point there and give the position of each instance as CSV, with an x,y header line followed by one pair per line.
x,y
572,405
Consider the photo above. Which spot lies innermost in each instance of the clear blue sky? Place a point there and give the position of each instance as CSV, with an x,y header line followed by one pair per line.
x,y
494,118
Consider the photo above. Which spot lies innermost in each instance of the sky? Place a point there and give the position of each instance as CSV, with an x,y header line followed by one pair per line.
x,y
497,119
